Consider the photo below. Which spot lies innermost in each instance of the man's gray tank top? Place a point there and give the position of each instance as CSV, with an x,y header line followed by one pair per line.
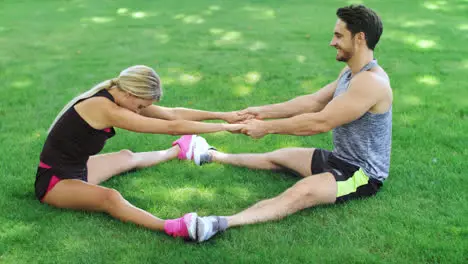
x,y
365,142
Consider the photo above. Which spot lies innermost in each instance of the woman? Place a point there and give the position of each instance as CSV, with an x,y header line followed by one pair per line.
x,y
70,172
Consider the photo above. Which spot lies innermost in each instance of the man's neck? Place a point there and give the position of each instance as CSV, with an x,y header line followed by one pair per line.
x,y
359,60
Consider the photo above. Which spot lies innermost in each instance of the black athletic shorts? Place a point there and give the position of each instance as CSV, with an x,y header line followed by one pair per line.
x,y
47,177
351,180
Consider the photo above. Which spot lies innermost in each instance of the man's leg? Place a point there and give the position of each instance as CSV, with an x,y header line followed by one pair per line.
x,y
308,192
311,191
296,159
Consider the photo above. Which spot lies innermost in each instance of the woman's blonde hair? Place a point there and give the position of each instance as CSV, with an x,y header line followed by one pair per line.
x,y
140,81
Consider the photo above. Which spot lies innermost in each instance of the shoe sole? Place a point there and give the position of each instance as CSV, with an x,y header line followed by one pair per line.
x,y
200,230
196,158
189,153
192,226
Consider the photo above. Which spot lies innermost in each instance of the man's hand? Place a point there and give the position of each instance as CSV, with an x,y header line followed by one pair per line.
x,y
251,113
254,128
241,115
234,117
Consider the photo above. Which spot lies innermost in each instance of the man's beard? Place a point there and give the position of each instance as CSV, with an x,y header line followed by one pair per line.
x,y
345,56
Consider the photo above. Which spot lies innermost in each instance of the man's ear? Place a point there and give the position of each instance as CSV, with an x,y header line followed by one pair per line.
x,y
361,36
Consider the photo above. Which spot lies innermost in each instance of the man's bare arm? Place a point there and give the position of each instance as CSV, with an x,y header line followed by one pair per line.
x,y
343,109
309,103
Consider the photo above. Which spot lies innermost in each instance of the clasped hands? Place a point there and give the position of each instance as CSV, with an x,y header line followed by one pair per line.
x,y
250,122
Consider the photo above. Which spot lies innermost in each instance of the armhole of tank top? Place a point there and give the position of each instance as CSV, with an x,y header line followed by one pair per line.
x,y
106,94
343,73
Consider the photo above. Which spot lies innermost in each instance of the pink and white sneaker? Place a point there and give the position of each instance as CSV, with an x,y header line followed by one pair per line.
x,y
184,227
186,144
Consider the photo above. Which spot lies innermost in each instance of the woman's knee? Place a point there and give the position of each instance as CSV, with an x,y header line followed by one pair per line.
x,y
75,194
129,158
127,154
111,198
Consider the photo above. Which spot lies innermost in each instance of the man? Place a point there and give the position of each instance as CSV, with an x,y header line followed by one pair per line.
x,y
357,106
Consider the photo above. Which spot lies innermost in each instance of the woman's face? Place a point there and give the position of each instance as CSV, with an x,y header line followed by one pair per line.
x,y
136,104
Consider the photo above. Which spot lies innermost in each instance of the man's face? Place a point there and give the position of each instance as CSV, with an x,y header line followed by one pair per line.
x,y
343,41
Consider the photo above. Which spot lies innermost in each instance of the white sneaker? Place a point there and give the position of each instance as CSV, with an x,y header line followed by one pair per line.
x,y
207,227
200,148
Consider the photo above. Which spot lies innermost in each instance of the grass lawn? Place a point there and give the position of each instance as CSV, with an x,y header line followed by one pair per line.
x,y
223,56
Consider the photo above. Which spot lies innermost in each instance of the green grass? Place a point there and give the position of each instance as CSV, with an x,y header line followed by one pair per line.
x,y
205,52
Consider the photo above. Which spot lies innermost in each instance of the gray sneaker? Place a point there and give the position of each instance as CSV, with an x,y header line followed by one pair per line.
x,y
207,227
206,157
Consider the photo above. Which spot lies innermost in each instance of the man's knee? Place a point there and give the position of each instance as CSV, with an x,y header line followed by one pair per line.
x,y
312,191
295,160
301,196
279,156
280,153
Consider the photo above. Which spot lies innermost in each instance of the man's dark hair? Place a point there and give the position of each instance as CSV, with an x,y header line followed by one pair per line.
x,y
359,18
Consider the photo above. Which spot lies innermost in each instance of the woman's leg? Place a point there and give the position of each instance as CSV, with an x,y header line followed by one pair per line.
x,y
104,166
80,195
